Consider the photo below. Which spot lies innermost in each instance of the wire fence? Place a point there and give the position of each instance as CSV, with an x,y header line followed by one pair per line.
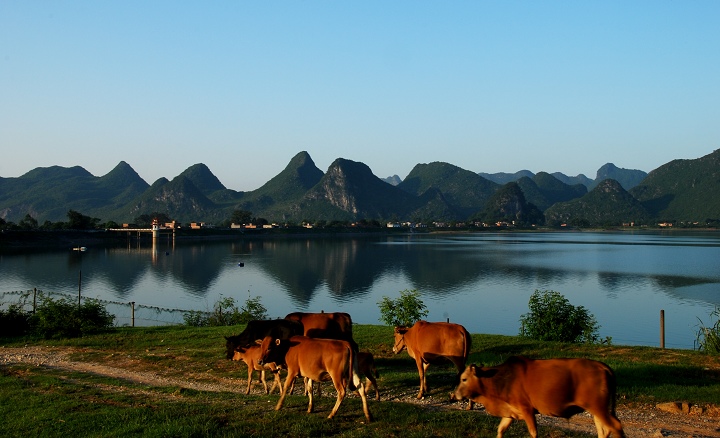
x,y
127,313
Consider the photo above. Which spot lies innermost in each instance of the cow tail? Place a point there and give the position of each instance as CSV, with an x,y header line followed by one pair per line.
x,y
468,344
351,369
612,386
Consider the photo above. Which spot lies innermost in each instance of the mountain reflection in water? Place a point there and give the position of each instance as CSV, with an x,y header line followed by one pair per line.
x,y
481,280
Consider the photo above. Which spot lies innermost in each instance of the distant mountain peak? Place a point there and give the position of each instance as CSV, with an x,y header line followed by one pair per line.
x,y
203,178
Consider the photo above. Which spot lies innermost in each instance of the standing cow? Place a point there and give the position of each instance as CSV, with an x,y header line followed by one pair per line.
x,y
318,360
430,342
521,387
333,325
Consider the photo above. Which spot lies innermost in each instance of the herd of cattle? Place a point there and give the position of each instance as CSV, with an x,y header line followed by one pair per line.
x,y
320,347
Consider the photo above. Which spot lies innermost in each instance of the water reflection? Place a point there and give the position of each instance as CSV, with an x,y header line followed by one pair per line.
x,y
495,272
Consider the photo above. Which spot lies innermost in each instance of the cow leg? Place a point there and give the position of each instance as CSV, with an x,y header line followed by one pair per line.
x,y
250,371
309,393
531,423
308,387
264,382
371,381
363,396
340,388
504,424
276,381
288,382
606,424
422,368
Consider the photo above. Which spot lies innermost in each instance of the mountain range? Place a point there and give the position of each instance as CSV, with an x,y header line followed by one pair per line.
x,y
681,190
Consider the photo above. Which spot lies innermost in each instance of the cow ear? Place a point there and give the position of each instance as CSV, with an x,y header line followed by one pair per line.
x,y
226,338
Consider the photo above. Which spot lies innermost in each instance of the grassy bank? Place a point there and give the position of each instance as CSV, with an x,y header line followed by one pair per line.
x,y
37,400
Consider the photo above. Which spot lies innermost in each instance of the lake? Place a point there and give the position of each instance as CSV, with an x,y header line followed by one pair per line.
x,y
480,280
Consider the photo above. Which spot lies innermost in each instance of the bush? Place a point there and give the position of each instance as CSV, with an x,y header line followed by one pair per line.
x,y
63,318
708,338
14,321
403,311
225,313
553,318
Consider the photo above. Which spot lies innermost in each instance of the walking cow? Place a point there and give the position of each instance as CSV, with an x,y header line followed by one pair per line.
x,y
522,387
430,342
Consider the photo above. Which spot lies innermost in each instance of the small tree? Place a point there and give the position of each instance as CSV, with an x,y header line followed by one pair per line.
x,y
553,318
403,311
252,310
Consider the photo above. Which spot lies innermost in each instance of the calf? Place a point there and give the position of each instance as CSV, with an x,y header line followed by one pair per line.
x,y
257,329
522,387
316,359
366,366
251,356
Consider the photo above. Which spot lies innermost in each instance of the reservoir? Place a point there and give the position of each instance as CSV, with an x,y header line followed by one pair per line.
x,y
480,280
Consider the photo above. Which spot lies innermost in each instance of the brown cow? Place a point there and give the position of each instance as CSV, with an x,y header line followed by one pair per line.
x,y
251,356
334,325
316,359
429,342
366,367
520,387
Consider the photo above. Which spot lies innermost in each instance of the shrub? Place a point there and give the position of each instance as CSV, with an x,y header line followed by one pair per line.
x,y
708,338
553,318
225,313
14,321
63,318
403,311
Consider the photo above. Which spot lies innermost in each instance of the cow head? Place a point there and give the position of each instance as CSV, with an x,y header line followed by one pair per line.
x,y
466,385
399,339
230,345
268,348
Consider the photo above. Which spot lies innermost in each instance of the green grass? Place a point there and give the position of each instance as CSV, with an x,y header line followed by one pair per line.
x,y
46,402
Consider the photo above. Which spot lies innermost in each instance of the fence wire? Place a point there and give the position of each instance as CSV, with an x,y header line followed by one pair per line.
x,y
127,313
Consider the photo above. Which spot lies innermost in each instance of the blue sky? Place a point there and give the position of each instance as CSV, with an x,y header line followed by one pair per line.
x,y
243,86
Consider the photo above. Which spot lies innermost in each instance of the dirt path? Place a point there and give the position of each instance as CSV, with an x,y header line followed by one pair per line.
x,y
638,421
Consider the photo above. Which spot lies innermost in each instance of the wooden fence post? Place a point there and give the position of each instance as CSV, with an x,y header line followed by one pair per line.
x,y
662,329
132,308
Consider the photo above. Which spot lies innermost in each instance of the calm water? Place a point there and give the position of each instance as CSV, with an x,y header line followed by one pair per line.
x,y
483,281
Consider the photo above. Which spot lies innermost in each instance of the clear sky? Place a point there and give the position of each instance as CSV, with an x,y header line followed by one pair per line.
x,y
243,86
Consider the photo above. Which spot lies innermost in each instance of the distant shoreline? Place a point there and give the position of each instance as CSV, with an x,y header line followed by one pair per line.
x,y
41,239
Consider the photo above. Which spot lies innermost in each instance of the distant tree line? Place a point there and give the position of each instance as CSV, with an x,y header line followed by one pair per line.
x,y
79,221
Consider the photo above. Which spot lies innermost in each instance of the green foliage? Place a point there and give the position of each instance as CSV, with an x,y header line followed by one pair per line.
x,y
708,338
63,318
241,217
78,221
14,321
226,313
553,318
403,311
